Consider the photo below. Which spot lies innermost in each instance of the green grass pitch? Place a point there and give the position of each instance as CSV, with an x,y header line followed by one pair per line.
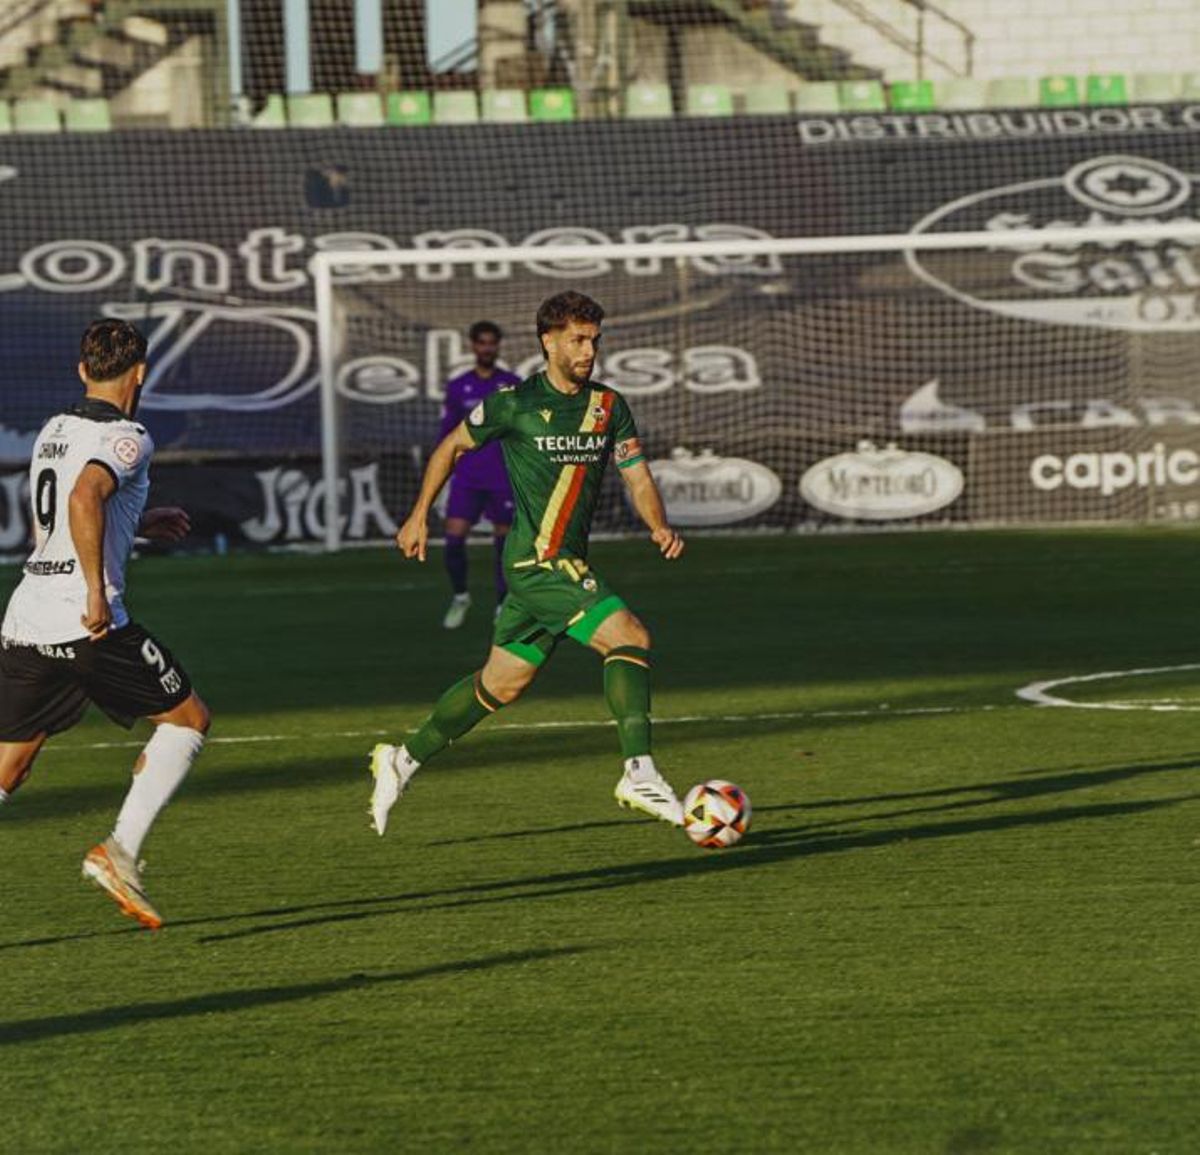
x,y
961,923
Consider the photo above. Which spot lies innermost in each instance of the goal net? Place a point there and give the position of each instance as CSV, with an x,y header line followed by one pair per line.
x,y
1006,376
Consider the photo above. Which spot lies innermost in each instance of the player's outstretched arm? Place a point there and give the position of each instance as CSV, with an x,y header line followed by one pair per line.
x,y
85,509
643,492
415,531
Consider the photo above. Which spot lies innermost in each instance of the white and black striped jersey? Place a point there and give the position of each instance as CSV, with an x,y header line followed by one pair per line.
x,y
47,606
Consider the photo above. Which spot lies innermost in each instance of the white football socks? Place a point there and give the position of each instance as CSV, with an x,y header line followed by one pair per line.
x,y
168,756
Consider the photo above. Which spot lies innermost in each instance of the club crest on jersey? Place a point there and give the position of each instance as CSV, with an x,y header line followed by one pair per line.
x,y
126,450
599,415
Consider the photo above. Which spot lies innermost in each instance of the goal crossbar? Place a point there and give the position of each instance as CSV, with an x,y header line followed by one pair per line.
x,y
324,264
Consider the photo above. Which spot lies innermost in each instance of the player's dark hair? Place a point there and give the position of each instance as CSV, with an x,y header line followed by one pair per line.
x,y
560,310
110,348
482,328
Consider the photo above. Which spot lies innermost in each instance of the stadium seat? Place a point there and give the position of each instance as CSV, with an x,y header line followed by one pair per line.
x,y
552,104
273,113
1156,87
861,96
821,96
1189,86
911,95
310,110
504,106
962,92
766,100
5,117
359,109
18,78
408,108
35,116
1011,92
88,115
1058,91
709,100
1107,88
647,100
455,106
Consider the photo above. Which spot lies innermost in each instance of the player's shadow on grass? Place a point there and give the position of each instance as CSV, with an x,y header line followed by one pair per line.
x,y
768,847
1029,784
283,769
226,1002
991,792
765,846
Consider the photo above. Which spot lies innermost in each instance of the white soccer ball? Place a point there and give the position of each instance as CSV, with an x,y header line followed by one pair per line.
x,y
716,814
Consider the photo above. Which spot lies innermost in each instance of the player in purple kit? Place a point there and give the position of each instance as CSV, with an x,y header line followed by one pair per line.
x,y
480,481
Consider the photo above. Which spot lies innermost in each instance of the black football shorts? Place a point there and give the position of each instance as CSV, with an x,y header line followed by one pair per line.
x,y
45,689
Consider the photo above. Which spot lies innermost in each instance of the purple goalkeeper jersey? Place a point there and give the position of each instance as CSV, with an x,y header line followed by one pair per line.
x,y
483,468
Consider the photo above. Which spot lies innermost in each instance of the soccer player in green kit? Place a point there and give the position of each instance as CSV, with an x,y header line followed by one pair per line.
x,y
557,429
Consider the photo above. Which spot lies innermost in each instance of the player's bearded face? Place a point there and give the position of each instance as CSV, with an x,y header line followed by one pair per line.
x,y
572,350
486,349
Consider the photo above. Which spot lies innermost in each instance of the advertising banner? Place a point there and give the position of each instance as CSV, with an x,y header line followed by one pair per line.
x,y
1040,384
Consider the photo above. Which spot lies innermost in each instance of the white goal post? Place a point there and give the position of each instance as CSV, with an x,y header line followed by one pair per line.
x,y
990,294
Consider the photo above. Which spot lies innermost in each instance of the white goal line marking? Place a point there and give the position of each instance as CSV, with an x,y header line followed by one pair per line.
x,y
1038,692
881,711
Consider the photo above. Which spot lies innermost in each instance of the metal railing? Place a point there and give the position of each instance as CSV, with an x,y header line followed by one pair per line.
x,y
464,57
13,20
917,45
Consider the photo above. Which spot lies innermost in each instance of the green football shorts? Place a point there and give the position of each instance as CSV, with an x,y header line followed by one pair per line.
x,y
547,599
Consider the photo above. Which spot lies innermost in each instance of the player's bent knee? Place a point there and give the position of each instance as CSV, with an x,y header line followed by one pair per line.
x,y
619,629
191,713
199,717
499,690
507,675
16,761
503,694
631,632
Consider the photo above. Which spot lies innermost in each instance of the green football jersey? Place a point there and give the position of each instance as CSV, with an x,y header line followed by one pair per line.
x,y
556,447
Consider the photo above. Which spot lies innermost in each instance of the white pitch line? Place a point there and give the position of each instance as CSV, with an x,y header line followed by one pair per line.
x,y
581,724
234,739
1038,692
1159,702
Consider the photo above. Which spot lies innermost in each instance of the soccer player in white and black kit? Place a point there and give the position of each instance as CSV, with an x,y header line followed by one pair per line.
x,y
66,639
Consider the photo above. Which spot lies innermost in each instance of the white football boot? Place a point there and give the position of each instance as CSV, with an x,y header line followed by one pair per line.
x,y
391,767
643,788
111,869
457,613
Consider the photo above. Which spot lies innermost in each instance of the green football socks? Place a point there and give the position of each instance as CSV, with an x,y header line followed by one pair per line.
x,y
458,710
627,692
465,704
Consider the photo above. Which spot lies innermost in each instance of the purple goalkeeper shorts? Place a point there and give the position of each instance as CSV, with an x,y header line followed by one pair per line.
x,y
470,501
